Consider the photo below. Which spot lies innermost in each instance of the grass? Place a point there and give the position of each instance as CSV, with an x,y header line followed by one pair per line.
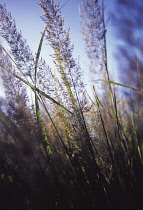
x,y
64,150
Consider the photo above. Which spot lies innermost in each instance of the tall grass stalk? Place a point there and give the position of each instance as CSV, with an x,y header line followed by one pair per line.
x,y
65,150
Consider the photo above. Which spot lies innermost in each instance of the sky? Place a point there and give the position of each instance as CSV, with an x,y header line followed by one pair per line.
x,y
27,16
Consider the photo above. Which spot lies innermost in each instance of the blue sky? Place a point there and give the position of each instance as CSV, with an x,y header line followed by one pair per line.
x,y
27,16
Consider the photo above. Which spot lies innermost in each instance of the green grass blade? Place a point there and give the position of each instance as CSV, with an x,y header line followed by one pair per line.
x,y
99,103
134,129
38,53
38,112
116,83
38,90
41,125
65,80
12,61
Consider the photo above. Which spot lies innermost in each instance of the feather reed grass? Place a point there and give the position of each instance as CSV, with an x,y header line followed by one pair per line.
x,y
54,153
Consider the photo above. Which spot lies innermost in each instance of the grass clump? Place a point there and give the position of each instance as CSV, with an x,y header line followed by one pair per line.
x,y
65,150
